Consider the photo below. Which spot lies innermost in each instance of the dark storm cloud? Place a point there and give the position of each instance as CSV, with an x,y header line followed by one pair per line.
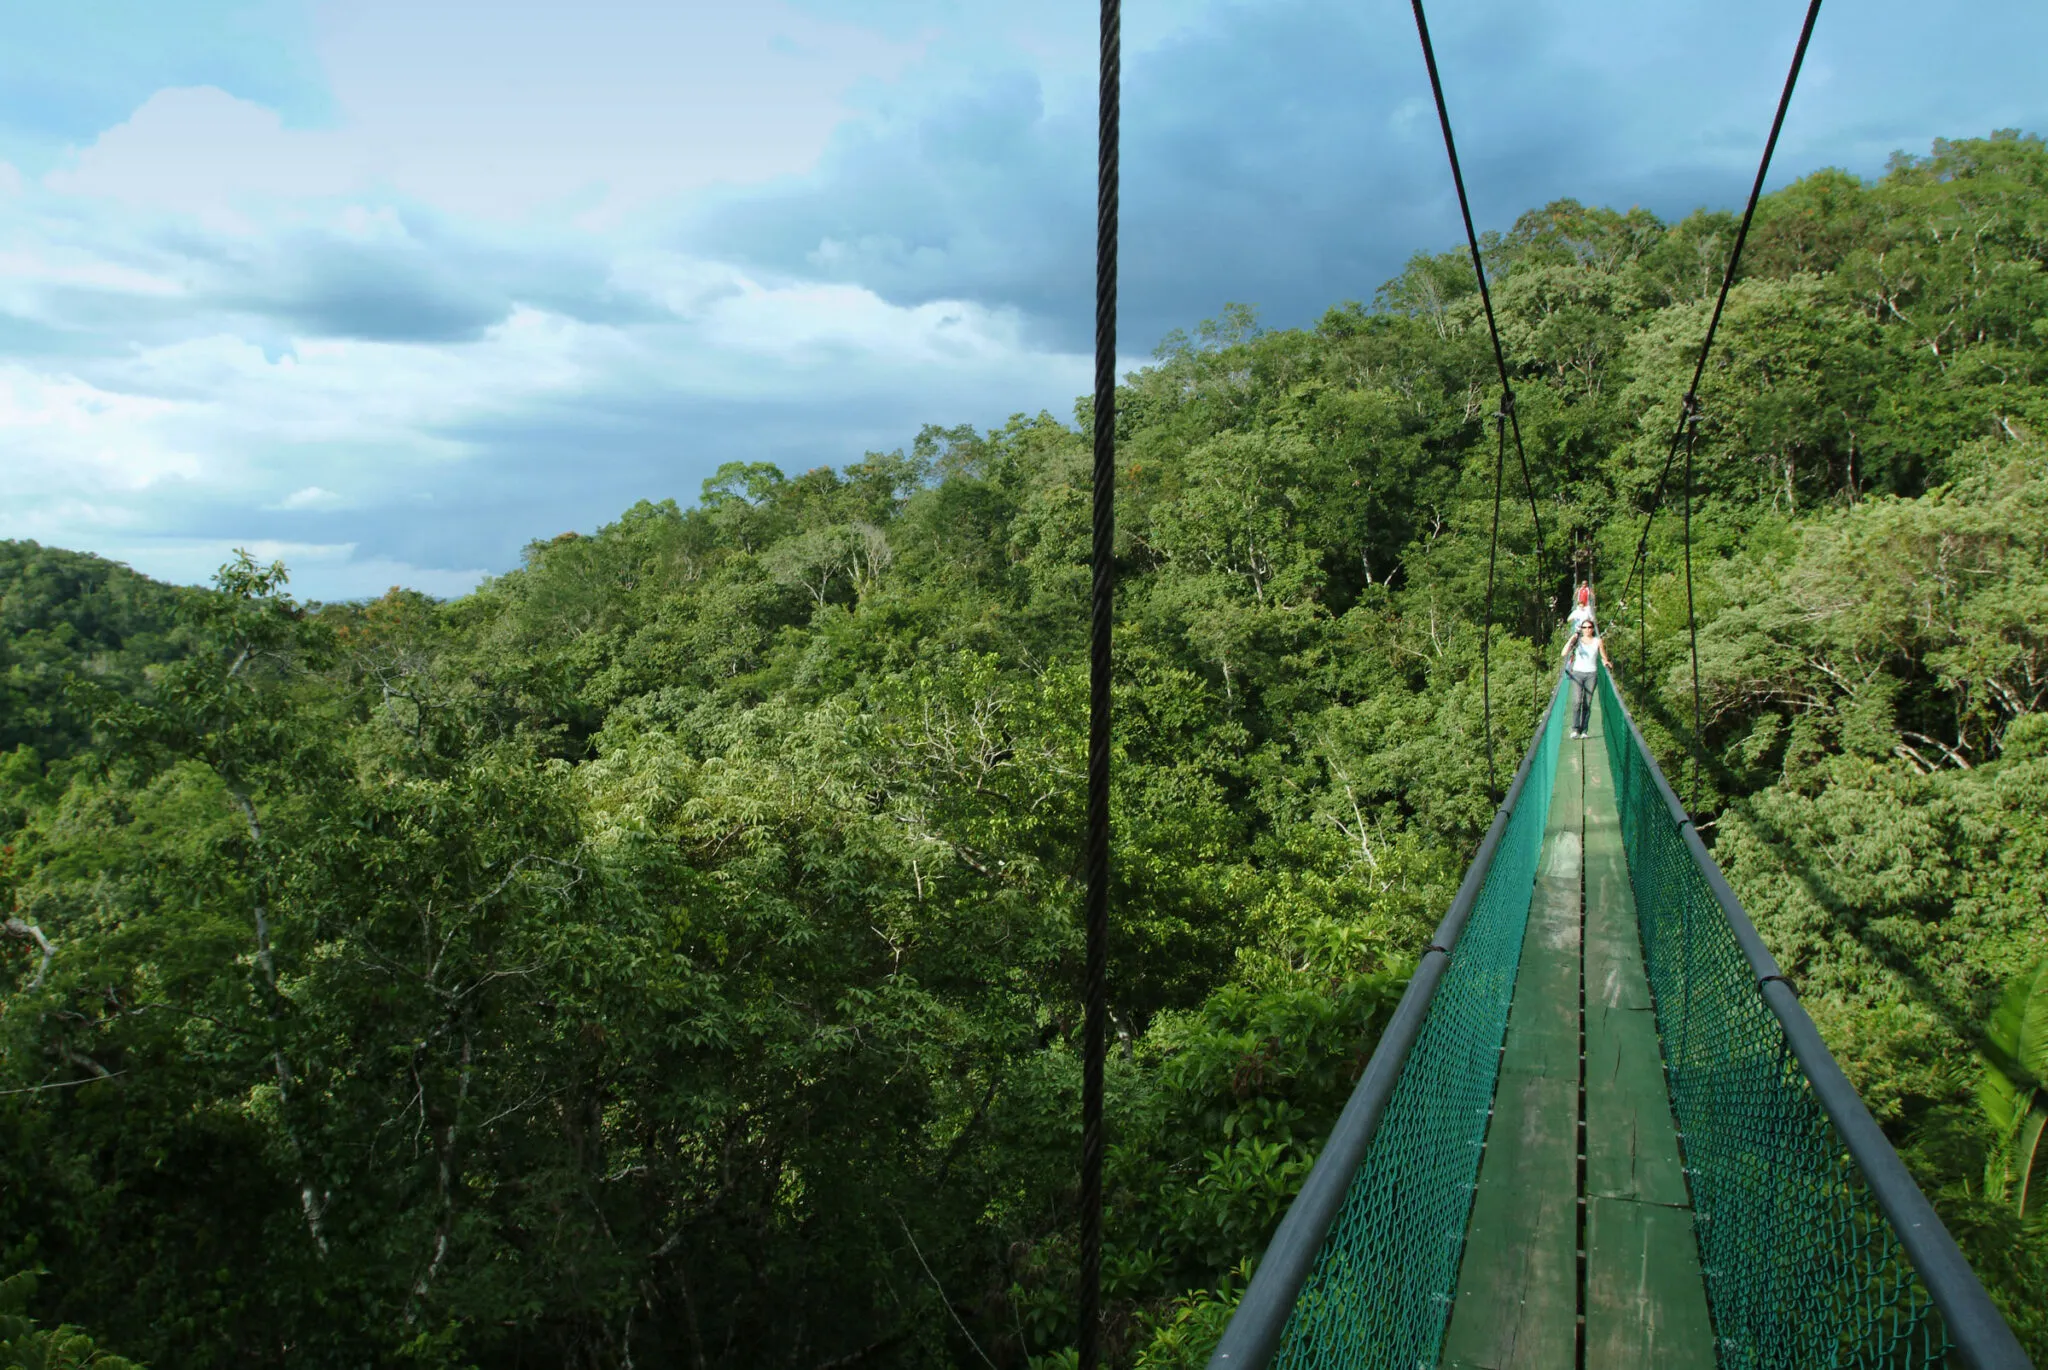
x,y
1287,154
342,290
581,467
431,285
419,280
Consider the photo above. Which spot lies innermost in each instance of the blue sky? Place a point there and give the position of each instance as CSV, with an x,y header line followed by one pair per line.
x,y
389,288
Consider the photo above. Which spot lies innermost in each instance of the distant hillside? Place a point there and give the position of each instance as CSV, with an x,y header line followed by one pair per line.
x,y
71,613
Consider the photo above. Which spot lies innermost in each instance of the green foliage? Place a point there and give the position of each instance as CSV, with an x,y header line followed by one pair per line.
x,y
670,953
24,1347
2013,1095
64,615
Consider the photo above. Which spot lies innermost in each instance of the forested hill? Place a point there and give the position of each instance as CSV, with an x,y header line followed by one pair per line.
x,y
64,614
669,953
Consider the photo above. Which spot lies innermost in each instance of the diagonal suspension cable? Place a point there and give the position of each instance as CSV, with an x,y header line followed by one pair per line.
x,y
1507,398
1500,457
1686,434
1688,417
1096,984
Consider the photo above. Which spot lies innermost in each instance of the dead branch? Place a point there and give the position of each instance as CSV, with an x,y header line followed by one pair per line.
x,y
942,1294
29,932
64,1084
1953,755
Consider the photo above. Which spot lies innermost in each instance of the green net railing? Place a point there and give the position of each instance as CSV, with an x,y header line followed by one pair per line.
x,y
1801,1266
1380,1292
1816,1246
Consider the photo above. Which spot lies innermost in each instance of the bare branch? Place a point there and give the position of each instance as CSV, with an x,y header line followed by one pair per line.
x,y
942,1294
512,873
264,960
312,1205
450,1137
65,1084
487,1124
29,932
1953,755
83,1061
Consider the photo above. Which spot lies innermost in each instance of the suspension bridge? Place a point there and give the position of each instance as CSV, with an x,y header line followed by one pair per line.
x,y
1599,1132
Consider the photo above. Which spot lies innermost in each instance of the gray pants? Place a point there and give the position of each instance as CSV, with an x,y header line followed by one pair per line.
x,y
1582,697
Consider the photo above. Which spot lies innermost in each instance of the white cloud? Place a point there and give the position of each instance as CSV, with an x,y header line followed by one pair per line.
x,y
203,413
503,110
810,319
1407,118
69,438
312,497
486,108
202,151
21,271
324,571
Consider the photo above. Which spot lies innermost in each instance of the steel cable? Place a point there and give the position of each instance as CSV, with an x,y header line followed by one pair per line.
x,y
1507,394
1096,988
1688,417
1500,458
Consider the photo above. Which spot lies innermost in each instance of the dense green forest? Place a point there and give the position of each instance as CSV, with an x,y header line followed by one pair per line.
x,y
669,953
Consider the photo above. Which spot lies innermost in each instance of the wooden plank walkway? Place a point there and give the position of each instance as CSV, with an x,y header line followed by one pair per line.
x,y
1580,1240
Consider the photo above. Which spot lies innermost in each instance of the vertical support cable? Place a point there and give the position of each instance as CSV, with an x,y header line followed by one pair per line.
x,y
1500,459
1692,628
1096,989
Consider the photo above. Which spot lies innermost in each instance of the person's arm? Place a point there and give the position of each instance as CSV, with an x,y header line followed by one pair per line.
x,y
1601,642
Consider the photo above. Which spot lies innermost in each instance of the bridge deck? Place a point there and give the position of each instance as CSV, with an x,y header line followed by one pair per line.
x,y
1582,1225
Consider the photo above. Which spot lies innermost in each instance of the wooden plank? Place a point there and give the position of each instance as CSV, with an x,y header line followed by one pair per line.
x,y
1547,985
1614,948
1645,1304
1520,1287
1614,958
1517,1301
1631,1146
1567,799
1614,953
1517,1304
1543,1024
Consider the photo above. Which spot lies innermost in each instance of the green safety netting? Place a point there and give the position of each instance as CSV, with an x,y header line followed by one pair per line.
x,y
1381,1289
1801,1267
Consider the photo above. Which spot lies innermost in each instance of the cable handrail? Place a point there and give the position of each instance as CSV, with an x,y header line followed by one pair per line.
x,y
1978,1333
1504,418
1101,610
1256,1329
1817,1246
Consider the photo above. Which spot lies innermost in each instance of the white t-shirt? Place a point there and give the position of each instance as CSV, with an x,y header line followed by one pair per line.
x,y
1579,614
1585,654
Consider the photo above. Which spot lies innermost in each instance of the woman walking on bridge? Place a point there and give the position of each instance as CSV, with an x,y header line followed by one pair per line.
x,y
1582,657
